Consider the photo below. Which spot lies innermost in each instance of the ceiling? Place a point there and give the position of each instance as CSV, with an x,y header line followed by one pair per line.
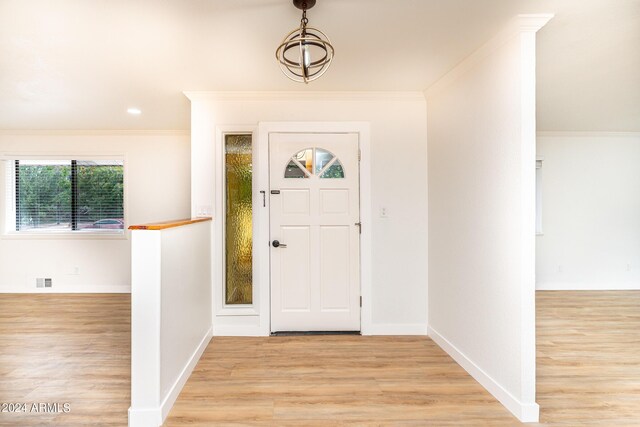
x,y
79,64
589,67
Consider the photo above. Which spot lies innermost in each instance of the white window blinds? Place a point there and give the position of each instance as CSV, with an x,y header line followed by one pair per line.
x,y
68,195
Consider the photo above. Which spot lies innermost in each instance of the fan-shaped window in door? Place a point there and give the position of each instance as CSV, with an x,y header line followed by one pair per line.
x,y
314,161
295,170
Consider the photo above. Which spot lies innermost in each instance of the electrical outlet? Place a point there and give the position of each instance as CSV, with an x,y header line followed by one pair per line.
x,y
204,211
384,212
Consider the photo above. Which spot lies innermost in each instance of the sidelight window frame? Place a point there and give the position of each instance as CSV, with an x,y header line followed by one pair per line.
x,y
220,307
223,218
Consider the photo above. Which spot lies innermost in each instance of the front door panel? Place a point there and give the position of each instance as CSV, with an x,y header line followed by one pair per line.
x,y
314,211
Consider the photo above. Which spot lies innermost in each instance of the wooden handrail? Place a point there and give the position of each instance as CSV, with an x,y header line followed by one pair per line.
x,y
168,224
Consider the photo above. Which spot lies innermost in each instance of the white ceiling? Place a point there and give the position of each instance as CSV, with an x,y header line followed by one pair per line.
x,y
589,67
79,64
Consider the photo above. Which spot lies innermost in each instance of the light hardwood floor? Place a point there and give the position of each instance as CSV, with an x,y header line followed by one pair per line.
x,y
333,380
75,348
589,358
58,348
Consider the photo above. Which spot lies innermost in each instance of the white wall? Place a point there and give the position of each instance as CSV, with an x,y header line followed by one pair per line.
x,y
398,135
170,316
157,181
186,298
481,149
590,211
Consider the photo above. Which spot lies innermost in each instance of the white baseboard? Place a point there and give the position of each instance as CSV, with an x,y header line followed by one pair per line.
x,y
154,417
525,412
176,388
396,329
238,331
578,286
67,289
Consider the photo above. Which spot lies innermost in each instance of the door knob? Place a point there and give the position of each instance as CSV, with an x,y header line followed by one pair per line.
x,y
277,244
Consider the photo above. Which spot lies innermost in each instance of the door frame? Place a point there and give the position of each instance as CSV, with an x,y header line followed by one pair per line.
x,y
262,219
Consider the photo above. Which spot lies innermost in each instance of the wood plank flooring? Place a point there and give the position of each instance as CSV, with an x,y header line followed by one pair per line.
x,y
57,348
333,380
588,357
76,349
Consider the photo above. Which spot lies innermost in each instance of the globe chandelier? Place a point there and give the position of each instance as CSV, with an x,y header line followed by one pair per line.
x,y
306,52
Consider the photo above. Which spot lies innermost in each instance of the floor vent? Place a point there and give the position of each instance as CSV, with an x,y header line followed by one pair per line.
x,y
296,333
44,283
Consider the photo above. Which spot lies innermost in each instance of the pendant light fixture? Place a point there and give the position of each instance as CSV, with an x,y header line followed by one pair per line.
x,y
306,52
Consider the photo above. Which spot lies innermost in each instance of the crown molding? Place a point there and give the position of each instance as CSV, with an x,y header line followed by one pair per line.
x,y
531,22
304,96
92,132
520,24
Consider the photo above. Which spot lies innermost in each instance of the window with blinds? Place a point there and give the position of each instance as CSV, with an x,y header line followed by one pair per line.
x,y
69,196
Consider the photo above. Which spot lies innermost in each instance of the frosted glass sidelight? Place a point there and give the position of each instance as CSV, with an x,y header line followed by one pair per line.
x,y
238,220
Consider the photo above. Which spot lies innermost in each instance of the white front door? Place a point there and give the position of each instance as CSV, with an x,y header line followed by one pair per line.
x,y
315,232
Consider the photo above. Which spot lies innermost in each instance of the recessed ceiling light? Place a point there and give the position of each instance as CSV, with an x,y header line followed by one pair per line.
x,y
134,111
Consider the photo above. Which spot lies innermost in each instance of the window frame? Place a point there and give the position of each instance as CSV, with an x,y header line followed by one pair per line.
x,y
8,219
220,308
